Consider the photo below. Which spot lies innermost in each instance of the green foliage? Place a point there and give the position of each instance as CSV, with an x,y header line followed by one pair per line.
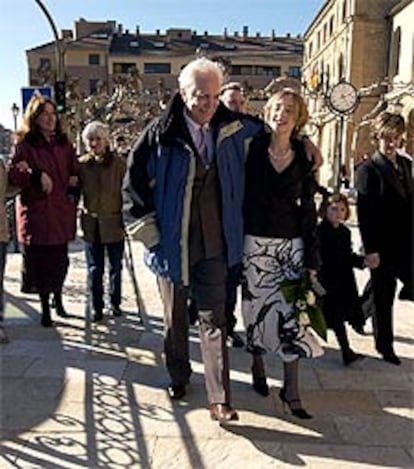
x,y
317,321
305,302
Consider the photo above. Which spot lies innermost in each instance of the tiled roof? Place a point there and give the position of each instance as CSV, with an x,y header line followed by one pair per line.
x,y
87,42
138,44
158,44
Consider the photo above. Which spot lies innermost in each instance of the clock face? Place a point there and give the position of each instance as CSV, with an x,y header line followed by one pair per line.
x,y
343,97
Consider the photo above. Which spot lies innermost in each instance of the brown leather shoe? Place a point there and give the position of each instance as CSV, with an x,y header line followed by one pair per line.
x,y
176,391
222,413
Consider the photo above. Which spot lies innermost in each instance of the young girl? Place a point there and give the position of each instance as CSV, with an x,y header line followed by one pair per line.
x,y
341,302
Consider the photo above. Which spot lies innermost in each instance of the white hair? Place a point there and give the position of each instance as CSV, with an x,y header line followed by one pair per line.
x,y
201,66
95,129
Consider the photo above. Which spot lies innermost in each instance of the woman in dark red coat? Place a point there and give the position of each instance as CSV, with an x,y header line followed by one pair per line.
x,y
45,167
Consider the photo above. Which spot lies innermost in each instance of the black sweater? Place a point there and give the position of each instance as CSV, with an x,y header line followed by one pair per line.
x,y
281,205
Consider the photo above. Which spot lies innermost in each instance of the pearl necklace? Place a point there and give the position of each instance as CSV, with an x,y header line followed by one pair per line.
x,y
280,156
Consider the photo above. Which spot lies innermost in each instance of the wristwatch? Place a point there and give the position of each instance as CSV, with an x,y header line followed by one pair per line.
x,y
342,97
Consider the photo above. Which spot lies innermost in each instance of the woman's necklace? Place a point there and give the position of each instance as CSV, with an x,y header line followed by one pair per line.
x,y
280,156
280,160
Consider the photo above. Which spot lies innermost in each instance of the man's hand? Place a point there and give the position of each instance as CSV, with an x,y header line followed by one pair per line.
x,y
73,181
312,152
372,260
46,182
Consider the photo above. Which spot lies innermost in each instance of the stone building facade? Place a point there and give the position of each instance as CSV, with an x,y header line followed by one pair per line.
x,y
401,66
347,40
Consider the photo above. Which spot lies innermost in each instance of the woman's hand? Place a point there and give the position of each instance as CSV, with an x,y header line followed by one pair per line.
x,y
372,260
22,166
46,182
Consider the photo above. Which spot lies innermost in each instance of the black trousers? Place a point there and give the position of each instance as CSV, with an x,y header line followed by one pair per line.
x,y
384,283
208,287
233,281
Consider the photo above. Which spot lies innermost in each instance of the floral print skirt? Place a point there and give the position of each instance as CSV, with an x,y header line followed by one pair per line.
x,y
270,322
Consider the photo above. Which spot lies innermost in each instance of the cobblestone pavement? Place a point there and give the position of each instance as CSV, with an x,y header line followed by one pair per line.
x,y
88,395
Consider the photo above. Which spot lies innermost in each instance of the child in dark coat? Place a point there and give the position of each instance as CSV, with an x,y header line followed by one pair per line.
x,y
342,302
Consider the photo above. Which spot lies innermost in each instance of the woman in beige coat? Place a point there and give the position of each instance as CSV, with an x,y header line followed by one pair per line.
x,y
101,175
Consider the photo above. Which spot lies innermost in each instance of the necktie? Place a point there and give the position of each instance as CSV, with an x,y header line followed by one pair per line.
x,y
202,147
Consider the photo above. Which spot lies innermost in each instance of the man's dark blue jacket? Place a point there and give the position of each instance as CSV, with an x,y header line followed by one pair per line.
x,y
159,181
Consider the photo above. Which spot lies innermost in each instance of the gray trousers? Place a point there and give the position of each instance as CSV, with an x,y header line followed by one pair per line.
x,y
208,287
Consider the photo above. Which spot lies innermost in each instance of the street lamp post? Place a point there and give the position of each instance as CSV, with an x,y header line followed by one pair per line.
x,y
15,111
60,72
339,155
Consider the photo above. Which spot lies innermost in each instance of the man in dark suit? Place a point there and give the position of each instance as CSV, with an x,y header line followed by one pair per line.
x,y
184,186
232,96
385,190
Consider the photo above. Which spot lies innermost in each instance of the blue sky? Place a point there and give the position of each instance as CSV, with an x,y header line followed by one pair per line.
x,y
23,25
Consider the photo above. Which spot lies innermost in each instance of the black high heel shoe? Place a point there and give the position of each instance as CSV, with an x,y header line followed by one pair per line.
x,y
46,320
57,304
260,385
297,410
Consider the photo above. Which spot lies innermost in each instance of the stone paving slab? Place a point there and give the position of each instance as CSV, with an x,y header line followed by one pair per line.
x,y
385,379
342,402
15,366
344,456
387,430
211,453
22,391
397,400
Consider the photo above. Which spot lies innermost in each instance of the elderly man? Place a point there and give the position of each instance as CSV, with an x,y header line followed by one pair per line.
x,y
232,96
184,185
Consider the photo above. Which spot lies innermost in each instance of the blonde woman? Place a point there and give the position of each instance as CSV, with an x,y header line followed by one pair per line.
x,y
280,243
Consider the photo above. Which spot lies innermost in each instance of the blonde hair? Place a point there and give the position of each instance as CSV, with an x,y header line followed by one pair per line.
x,y
300,108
